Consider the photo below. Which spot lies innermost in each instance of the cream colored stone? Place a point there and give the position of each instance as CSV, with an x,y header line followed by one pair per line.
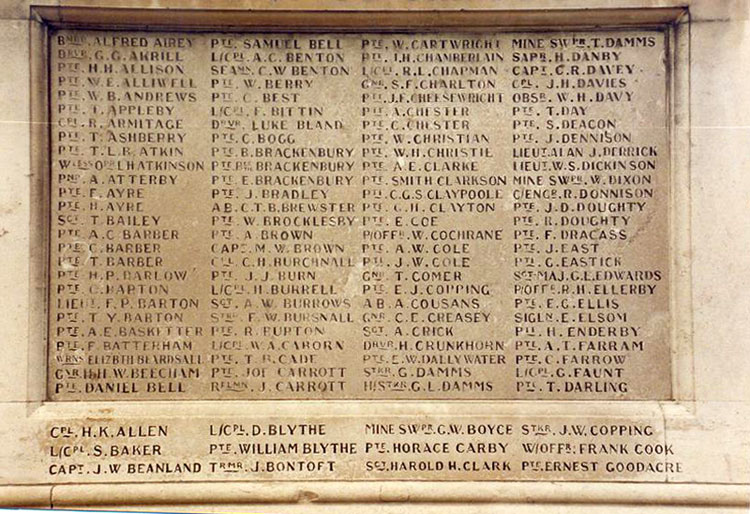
x,y
381,508
709,311
439,237
719,123
14,207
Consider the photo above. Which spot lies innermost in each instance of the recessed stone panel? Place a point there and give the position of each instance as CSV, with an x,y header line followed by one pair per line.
x,y
447,216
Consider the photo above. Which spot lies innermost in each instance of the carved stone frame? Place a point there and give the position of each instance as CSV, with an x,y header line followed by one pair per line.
x,y
681,411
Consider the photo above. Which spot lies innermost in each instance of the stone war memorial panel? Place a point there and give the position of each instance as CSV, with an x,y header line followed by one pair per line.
x,y
415,230
292,255
442,216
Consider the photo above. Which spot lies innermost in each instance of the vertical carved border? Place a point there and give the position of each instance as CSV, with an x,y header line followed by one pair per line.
x,y
683,379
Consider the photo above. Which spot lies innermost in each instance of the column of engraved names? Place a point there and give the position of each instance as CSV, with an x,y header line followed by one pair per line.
x,y
590,197
433,227
122,320
283,212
